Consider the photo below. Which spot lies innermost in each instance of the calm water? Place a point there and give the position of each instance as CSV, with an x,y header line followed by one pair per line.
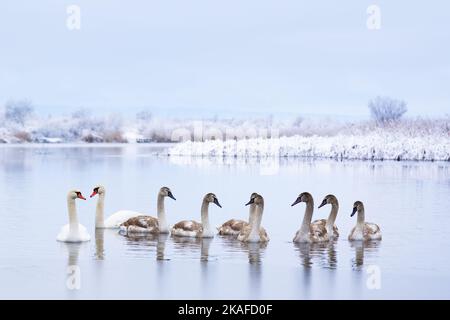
x,y
409,200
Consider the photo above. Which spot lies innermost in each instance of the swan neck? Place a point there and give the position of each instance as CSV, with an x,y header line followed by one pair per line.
x,y
307,218
256,223
251,213
73,219
361,218
205,216
332,217
161,213
100,212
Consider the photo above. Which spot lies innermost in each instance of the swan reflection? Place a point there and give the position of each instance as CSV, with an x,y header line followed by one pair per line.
x,y
322,253
188,247
363,248
140,242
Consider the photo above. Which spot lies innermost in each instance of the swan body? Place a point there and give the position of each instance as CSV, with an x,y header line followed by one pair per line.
x,y
74,231
309,232
233,227
363,231
113,221
329,224
191,228
147,224
252,232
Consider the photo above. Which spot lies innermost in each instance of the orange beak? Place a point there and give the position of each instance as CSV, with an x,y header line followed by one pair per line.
x,y
93,193
80,196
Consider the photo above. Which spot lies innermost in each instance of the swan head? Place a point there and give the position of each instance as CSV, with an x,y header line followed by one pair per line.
x,y
357,206
303,197
75,194
329,199
211,198
98,189
256,199
165,192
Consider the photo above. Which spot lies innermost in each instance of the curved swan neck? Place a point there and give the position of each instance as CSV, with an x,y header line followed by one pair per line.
x,y
308,216
161,213
251,213
73,219
205,216
333,214
361,217
100,211
256,223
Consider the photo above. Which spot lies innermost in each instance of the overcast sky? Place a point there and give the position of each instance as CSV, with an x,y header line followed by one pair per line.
x,y
225,57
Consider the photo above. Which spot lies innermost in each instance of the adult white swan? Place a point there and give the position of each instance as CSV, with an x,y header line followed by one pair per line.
x,y
190,228
253,232
309,232
332,229
365,231
147,224
74,231
116,219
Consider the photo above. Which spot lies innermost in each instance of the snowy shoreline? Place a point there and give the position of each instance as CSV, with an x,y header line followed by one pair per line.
x,y
365,147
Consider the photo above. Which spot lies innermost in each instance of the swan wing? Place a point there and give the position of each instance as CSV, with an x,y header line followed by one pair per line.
x,y
187,228
140,224
372,231
232,227
116,219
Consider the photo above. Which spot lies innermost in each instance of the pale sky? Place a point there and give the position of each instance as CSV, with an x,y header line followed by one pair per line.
x,y
225,57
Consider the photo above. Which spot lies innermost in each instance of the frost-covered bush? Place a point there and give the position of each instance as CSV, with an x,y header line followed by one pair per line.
x,y
18,112
385,109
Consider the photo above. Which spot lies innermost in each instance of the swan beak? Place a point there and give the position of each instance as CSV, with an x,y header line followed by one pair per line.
x,y
296,202
252,200
324,202
216,202
170,195
94,193
353,212
80,196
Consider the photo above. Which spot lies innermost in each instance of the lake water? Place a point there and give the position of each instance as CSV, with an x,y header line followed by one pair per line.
x,y
409,200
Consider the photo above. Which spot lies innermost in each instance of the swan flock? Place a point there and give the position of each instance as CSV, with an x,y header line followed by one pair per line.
x,y
133,222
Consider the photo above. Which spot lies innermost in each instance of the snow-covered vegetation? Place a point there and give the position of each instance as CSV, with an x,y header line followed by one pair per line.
x,y
385,136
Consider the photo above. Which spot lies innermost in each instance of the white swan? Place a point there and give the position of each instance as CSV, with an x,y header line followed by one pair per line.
x,y
253,232
114,220
332,229
309,232
147,224
73,232
363,230
194,229
232,227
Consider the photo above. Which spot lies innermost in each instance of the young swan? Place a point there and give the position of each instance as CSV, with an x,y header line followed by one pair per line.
x,y
253,232
194,229
73,232
233,226
148,224
332,229
309,232
363,230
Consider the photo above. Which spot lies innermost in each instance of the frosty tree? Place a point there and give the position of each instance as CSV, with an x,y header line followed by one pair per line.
x,y
18,111
385,109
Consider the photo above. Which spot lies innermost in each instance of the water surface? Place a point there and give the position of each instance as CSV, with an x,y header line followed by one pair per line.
x,y
409,200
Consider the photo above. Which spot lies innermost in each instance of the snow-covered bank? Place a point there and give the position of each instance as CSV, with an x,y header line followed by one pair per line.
x,y
375,146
